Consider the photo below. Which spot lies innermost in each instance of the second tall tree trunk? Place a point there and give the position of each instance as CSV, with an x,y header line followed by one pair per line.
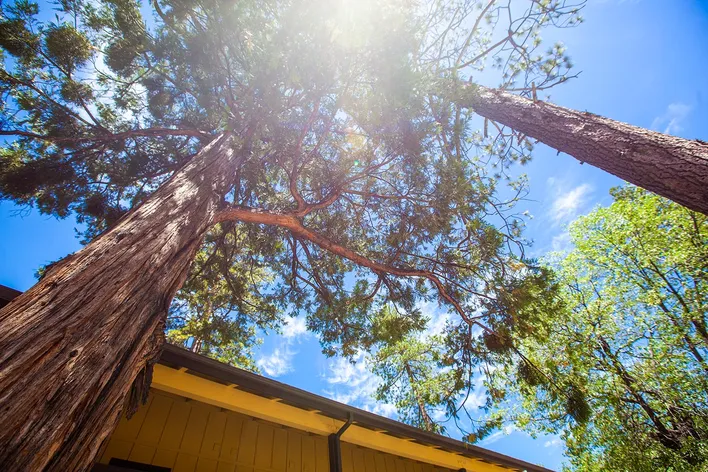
x,y
673,167
72,345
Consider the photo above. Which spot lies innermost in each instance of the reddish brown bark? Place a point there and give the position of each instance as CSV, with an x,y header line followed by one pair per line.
x,y
72,345
292,222
673,167
427,420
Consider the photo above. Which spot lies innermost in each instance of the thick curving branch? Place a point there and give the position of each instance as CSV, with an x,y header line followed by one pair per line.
x,y
295,226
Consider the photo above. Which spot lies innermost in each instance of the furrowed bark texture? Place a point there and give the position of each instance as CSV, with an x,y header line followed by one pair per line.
x,y
673,167
72,345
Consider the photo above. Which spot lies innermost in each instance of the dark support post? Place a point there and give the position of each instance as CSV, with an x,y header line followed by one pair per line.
x,y
335,446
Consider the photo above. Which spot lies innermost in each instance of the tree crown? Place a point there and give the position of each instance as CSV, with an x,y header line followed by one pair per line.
x,y
372,188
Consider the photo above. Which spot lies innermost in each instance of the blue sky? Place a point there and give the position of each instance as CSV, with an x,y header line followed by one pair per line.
x,y
644,62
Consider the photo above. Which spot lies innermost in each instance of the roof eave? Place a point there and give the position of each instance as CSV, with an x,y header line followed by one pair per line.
x,y
173,356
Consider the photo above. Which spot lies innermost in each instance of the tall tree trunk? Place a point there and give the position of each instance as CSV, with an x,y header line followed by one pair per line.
x,y
427,420
72,346
673,167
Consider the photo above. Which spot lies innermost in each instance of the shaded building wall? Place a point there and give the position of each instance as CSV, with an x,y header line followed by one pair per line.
x,y
361,459
184,435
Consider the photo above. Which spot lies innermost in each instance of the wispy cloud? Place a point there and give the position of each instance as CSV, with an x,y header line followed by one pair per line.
x,y
567,205
354,384
671,121
280,360
438,317
496,436
295,327
561,242
555,442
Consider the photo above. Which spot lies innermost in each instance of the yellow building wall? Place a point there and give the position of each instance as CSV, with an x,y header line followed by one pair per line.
x,y
361,459
191,436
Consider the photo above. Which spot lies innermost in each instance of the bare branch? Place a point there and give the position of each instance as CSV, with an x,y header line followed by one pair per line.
x,y
148,132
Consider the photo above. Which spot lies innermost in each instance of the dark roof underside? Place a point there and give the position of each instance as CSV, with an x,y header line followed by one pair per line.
x,y
7,294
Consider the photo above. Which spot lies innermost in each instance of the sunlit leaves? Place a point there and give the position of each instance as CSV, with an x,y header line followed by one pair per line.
x,y
414,381
624,355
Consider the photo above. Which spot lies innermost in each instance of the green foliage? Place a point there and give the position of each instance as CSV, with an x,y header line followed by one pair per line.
x,y
626,361
414,378
16,39
67,47
129,38
219,311
340,123
76,92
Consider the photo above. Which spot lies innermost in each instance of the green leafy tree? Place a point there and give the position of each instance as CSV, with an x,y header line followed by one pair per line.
x,y
632,339
219,311
412,380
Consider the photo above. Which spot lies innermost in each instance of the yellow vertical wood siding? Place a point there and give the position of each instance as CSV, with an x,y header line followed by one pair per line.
x,y
185,384
191,436
361,459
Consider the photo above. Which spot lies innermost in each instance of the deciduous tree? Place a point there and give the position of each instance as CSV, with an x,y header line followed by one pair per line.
x,y
632,339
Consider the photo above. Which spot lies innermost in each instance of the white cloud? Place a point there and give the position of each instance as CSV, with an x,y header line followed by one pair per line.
x,y
280,361
561,242
354,384
385,409
670,121
478,397
438,318
295,327
567,205
494,437
277,363
555,442
349,373
439,415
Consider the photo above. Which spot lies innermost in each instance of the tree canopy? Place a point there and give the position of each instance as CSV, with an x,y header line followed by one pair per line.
x,y
631,337
371,190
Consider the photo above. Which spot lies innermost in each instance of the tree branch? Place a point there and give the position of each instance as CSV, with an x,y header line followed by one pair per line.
x,y
148,132
295,226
